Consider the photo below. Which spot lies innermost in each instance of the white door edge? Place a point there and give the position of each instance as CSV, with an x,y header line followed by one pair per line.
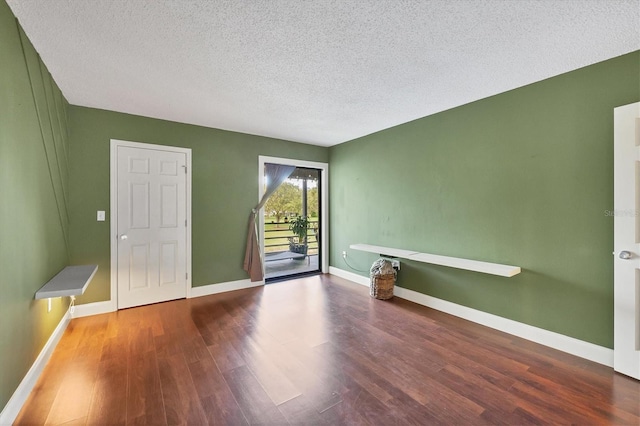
x,y
324,197
113,209
625,214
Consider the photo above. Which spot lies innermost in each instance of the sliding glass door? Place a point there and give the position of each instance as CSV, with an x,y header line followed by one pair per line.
x,y
292,226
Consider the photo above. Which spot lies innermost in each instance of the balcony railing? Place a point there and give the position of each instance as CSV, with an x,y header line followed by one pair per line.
x,y
276,239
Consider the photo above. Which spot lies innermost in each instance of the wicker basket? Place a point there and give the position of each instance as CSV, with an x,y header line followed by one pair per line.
x,y
382,286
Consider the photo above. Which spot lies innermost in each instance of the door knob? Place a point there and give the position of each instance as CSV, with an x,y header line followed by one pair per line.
x,y
625,255
123,237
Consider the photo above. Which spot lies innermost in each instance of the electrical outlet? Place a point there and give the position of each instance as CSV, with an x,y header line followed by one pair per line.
x,y
344,254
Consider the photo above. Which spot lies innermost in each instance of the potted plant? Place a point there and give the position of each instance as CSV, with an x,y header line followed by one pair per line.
x,y
298,226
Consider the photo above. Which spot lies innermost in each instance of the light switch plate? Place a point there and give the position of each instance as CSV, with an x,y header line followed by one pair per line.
x,y
100,215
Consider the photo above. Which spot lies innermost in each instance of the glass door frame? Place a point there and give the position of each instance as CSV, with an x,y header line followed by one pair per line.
x,y
324,203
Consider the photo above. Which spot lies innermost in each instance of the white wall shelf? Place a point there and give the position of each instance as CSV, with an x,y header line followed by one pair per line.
x,y
71,281
452,262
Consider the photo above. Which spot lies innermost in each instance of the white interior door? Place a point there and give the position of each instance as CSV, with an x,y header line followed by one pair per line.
x,y
626,240
151,226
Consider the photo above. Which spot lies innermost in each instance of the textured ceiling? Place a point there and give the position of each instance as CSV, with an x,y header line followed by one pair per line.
x,y
322,71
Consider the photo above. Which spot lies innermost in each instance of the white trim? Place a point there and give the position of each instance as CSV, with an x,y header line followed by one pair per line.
x,y
95,308
209,289
19,397
358,279
544,337
436,259
113,176
626,302
98,308
324,200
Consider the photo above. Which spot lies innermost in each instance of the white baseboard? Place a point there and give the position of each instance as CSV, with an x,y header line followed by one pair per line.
x,y
19,397
544,337
207,290
95,308
358,279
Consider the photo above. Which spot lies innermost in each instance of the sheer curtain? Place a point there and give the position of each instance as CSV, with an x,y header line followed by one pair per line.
x,y
275,174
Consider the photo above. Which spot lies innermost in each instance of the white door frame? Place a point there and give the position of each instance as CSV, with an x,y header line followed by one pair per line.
x,y
626,344
324,200
113,213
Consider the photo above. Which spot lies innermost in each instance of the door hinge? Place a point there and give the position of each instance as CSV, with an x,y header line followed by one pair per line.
x,y
185,169
186,275
185,222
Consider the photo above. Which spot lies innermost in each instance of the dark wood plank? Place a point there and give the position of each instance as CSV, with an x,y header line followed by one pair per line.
x,y
216,397
181,401
305,379
109,402
302,411
144,396
274,382
256,405
224,352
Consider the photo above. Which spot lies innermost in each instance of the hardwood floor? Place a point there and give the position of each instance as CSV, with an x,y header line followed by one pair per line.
x,y
315,350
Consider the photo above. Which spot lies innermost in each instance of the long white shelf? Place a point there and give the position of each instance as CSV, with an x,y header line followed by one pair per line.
x,y
71,281
453,262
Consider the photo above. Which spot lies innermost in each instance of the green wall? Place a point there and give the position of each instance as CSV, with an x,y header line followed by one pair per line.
x,y
34,194
225,188
521,178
